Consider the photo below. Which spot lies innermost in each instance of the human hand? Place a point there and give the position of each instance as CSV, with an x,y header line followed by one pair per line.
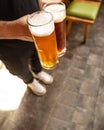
x,y
21,29
16,29
49,1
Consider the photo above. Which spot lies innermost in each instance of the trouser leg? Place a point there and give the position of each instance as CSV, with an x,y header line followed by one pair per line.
x,y
17,56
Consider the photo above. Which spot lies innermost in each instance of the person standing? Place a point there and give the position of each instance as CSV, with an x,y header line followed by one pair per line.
x,y
17,50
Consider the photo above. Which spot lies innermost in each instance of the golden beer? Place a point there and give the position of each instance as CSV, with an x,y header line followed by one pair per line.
x,y
58,11
42,28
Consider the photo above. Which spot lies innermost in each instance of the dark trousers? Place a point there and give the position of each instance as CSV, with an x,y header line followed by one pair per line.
x,y
17,56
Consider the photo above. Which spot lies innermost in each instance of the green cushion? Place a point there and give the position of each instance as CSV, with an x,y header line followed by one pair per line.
x,y
82,10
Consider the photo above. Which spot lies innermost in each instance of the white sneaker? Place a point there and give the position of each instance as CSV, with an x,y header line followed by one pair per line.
x,y
37,88
44,77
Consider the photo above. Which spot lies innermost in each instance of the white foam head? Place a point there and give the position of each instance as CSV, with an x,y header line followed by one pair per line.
x,y
58,11
41,23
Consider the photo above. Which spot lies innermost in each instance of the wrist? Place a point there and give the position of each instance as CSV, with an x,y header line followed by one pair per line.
x,y
6,30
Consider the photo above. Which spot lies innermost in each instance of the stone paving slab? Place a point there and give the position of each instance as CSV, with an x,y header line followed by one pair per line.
x,y
75,100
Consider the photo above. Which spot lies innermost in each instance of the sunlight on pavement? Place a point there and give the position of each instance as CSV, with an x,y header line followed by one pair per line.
x,y
12,90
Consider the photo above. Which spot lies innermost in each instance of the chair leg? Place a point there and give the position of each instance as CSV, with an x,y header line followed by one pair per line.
x,y
68,28
86,32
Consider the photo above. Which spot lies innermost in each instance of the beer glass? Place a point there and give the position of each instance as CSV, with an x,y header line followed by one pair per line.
x,y
58,11
42,28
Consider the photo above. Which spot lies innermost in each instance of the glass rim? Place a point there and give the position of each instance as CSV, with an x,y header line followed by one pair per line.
x,y
53,3
38,12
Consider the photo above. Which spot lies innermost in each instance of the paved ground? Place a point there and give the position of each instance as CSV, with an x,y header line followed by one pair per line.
x,y
75,101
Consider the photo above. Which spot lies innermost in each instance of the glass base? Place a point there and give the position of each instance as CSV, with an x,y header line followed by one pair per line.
x,y
50,67
62,52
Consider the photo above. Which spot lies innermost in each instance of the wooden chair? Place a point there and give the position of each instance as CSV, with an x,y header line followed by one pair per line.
x,y
82,11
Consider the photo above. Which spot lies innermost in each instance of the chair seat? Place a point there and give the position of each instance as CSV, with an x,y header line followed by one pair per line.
x,y
82,10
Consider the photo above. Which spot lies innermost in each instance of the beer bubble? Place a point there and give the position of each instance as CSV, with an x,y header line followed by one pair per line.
x,y
41,24
57,10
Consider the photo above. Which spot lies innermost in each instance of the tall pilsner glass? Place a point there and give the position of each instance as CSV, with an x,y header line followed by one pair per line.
x,y
58,11
41,26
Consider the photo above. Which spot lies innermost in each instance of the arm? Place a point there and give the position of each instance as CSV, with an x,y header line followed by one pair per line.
x,y
49,1
16,29
40,4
